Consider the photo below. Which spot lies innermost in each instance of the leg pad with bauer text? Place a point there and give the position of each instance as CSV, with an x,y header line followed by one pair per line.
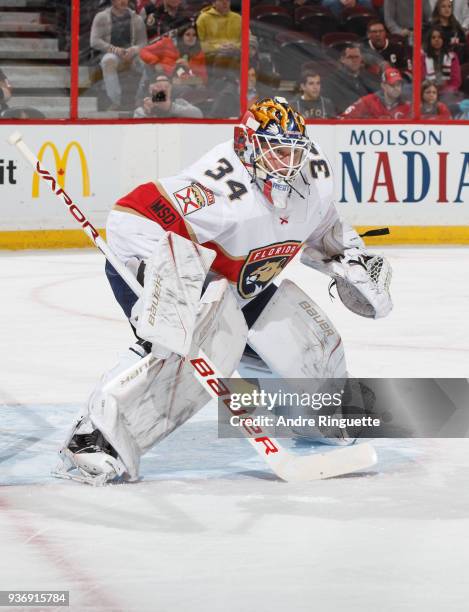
x,y
144,402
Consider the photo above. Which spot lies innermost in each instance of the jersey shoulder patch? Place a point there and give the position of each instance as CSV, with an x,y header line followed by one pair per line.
x,y
192,197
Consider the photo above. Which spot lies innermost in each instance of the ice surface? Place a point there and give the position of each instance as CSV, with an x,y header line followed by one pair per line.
x,y
209,528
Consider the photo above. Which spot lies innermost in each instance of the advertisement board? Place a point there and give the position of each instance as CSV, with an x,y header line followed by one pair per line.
x,y
411,178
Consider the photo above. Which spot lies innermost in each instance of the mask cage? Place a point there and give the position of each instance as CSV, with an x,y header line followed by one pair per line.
x,y
282,158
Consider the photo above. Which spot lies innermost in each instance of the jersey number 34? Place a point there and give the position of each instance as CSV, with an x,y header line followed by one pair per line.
x,y
223,169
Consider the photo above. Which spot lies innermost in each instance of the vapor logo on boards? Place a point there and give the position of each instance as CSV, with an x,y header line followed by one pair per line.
x,y
61,164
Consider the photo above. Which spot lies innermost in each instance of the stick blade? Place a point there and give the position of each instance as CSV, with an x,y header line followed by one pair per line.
x,y
318,466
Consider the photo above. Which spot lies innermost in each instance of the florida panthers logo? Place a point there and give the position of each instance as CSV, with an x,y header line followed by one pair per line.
x,y
262,266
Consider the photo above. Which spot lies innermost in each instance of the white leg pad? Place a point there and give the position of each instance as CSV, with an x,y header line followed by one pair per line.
x,y
140,405
296,339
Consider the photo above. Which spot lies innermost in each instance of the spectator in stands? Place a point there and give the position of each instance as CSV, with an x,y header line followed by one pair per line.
x,y
162,17
118,33
219,30
380,53
5,91
252,86
453,32
459,10
439,64
350,81
180,57
385,104
160,103
431,108
226,82
310,103
337,6
266,76
399,17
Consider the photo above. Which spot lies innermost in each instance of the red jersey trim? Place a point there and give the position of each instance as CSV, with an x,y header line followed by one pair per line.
x,y
225,264
153,203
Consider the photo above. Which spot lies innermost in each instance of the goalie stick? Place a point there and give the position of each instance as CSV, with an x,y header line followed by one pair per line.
x,y
287,466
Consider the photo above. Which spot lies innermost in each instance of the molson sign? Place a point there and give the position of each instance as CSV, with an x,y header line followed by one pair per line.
x,y
61,164
404,165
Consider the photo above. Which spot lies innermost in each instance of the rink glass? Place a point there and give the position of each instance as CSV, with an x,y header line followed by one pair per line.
x,y
35,59
54,72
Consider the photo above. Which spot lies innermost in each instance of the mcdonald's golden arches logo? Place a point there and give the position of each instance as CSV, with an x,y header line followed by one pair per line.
x,y
61,162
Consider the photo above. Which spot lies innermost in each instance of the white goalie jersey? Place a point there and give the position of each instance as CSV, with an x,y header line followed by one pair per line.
x,y
215,203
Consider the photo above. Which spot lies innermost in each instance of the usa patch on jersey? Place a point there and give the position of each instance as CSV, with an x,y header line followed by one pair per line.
x,y
263,264
193,197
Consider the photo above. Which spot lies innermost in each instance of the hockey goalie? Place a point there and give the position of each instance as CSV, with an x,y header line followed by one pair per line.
x,y
207,245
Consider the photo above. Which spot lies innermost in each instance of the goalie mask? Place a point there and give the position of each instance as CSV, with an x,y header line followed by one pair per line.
x,y
272,144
